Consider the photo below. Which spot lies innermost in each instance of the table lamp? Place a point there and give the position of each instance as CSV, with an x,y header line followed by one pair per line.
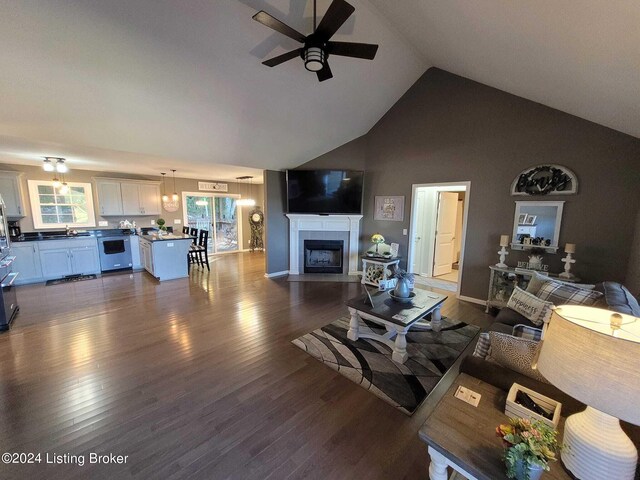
x,y
593,355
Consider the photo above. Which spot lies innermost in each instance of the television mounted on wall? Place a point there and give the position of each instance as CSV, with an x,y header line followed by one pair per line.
x,y
325,191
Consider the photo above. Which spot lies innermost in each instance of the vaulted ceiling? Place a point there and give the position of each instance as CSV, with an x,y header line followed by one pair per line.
x,y
146,85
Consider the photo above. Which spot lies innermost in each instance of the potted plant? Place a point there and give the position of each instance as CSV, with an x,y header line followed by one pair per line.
x,y
405,280
161,224
528,447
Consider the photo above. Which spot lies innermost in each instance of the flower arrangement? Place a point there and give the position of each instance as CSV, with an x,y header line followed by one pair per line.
x,y
401,274
527,444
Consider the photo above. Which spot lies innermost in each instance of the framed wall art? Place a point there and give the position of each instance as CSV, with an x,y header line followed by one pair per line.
x,y
389,208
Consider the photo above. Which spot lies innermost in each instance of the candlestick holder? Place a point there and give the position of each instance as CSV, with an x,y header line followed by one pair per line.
x,y
568,260
503,256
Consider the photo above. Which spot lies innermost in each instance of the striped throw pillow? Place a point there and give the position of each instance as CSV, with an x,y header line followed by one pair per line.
x,y
483,345
564,294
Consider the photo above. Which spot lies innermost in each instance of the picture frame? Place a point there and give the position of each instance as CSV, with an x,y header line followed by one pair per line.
x,y
522,218
389,208
530,220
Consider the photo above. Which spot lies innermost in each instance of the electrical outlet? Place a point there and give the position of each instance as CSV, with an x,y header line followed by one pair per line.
x,y
103,223
177,221
153,222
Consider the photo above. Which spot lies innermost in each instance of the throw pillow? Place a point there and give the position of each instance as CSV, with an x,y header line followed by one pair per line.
x,y
514,353
525,331
483,345
529,306
565,294
538,279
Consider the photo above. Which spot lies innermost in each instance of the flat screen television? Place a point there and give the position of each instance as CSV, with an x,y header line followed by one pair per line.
x,y
324,191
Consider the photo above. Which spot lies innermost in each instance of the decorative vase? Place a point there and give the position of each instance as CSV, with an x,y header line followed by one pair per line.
x,y
535,471
403,288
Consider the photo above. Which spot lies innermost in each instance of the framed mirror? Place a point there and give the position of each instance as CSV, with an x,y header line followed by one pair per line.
x,y
537,225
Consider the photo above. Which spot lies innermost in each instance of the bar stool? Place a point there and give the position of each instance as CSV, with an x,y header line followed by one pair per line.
x,y
199,252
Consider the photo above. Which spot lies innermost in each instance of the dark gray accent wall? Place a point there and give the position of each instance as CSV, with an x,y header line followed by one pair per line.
x,y
633,272
276,224
448,128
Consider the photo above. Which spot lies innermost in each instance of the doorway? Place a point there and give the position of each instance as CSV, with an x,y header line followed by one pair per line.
x,y
437,233
219,215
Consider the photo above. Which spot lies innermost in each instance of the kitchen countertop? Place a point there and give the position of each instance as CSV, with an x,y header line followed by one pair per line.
x,y
169,236
61,235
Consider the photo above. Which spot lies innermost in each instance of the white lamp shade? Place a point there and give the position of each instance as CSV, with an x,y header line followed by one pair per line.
x,y
596,363
570,248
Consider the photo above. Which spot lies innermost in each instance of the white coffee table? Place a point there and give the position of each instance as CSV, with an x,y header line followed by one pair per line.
x,y
397,318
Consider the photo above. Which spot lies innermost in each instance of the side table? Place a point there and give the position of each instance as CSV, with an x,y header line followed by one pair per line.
x,y
461,436
375,269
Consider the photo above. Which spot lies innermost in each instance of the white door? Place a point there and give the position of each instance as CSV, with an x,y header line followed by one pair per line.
x,y
445,233
420,238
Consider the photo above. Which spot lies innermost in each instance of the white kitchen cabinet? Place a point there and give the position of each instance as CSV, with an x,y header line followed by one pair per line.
x,y
84,260
109,198
60,258
11,191
146,253
150,199
127,197
56,263
27,262
136,259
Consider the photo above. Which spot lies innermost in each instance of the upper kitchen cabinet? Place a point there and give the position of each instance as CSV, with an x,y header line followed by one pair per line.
x,y
109,198
140,198
128,197
11,191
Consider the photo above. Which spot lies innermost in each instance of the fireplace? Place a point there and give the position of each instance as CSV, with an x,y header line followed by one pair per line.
x,y
323,256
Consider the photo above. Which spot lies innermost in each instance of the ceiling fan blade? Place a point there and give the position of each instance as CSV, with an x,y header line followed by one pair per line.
x,y
325,73
349,49
336,15
275,24
272,62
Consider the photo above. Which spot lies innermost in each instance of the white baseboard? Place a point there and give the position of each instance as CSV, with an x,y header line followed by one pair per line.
x,y
473,300
277,274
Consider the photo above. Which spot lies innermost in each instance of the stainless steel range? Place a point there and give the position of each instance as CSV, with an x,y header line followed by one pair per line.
x,y
114,247
8,300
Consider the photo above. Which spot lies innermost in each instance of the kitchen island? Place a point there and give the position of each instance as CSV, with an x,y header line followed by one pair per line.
x,y
165,257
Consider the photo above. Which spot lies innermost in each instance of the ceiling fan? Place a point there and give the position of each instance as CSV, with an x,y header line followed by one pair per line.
x,y
317,46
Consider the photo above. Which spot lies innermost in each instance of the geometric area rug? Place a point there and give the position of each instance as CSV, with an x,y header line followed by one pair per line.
x,y
368,362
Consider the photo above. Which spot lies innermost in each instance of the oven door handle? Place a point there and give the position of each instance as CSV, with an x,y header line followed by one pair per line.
x,y
13,276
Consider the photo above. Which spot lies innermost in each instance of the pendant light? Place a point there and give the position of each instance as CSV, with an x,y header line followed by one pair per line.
x,y
64,188
175,196
165,197
248,201
56,182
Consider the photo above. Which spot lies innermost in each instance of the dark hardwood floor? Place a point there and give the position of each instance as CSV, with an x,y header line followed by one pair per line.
x,y
195,378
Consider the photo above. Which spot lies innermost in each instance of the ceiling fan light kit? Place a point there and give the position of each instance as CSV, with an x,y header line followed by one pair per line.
x,y
313,59
317,46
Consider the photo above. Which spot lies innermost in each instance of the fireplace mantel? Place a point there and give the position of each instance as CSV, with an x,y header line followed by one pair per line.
x,y
328,223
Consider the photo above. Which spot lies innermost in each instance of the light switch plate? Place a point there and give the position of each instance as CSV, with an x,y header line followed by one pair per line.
x,y
404,231
177,221
103,223
153,222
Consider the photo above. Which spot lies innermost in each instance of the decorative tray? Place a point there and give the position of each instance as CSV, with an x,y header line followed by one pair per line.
x,y
408,299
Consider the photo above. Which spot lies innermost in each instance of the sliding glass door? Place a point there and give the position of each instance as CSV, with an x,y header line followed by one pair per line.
x,y
217,214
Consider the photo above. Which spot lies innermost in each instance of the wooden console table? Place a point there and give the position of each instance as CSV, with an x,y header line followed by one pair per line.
x,y
463,437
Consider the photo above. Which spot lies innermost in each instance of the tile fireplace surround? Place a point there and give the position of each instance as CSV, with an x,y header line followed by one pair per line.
x,y
323,223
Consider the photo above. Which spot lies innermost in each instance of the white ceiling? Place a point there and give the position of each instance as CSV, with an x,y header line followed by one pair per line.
x,y
578,56
147,85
